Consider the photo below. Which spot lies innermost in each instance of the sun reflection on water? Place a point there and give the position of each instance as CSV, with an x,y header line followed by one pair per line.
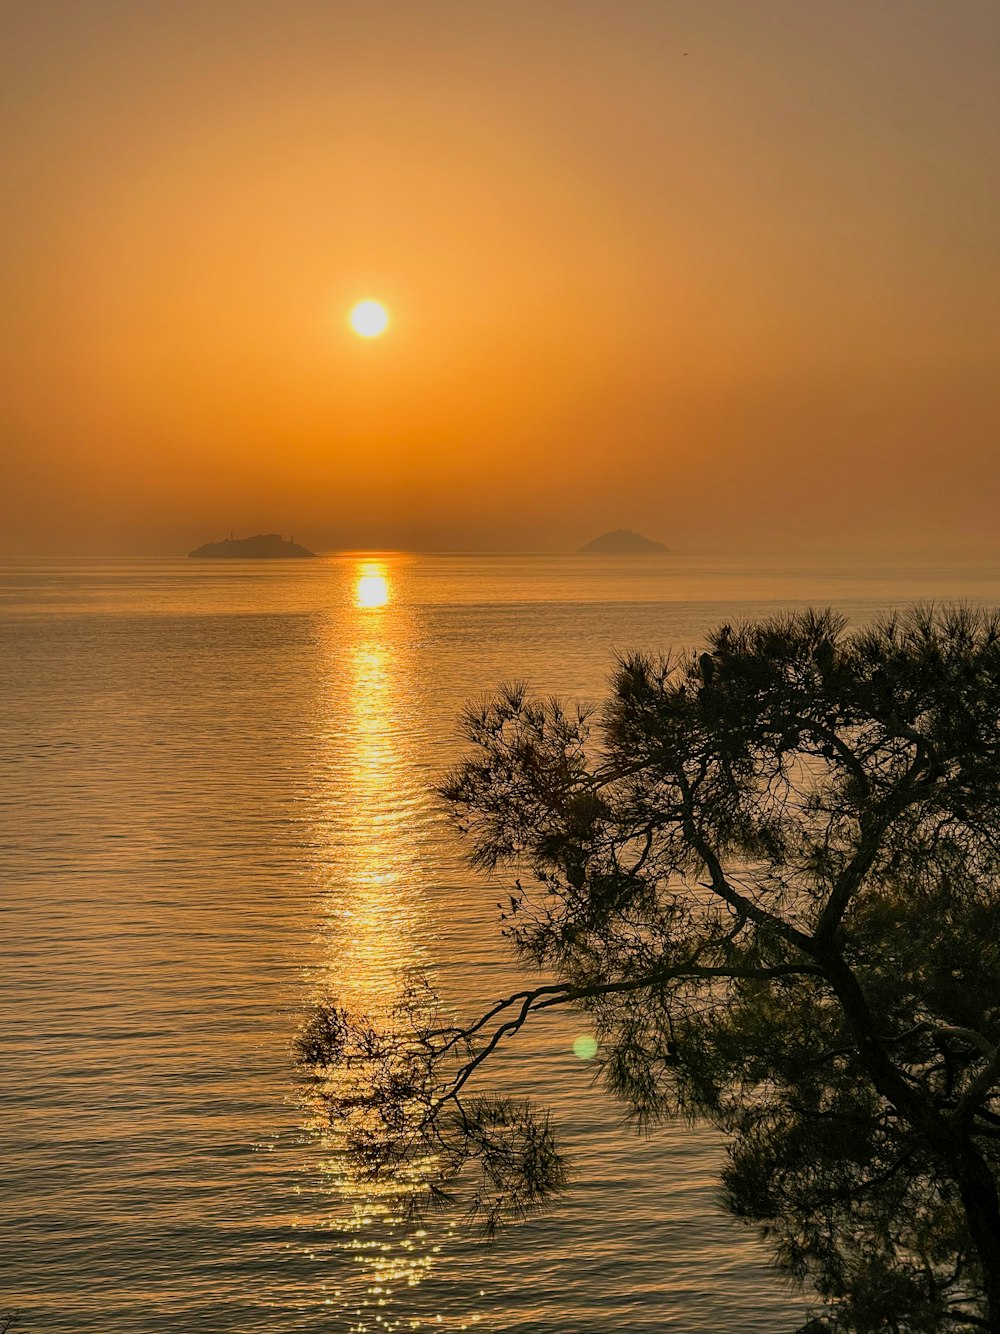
x,y
372,587
376,808
371,903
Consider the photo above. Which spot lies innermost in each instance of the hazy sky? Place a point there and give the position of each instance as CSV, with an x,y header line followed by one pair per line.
x,y
724,272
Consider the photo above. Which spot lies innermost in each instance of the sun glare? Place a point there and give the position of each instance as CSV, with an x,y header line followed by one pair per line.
x,y
369,319
372,589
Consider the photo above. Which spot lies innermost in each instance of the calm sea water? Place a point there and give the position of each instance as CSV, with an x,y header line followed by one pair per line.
x,y
215,805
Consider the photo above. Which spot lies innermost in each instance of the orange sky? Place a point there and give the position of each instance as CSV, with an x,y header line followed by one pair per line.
x,y
727,273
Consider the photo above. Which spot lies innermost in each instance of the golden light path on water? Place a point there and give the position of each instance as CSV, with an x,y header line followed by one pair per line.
x,y
378,806
372,588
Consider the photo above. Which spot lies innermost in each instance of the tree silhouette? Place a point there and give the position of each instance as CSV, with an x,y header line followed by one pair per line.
x,y
770,875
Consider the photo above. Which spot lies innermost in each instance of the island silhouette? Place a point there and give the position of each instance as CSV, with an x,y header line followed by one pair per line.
x,y
622,542
265,546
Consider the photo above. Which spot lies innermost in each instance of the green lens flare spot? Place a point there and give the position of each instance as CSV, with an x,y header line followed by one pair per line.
x,y
585,1047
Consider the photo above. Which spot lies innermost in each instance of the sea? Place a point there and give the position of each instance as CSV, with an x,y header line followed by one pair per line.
x,y
217,807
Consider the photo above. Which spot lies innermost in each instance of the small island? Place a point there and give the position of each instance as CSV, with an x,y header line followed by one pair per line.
x,y
265,546
622,543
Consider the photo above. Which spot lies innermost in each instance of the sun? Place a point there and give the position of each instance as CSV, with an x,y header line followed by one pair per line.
x,y
369,319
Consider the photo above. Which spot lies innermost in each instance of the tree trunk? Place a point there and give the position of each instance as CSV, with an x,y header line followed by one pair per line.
x,y
982,1211
954,1149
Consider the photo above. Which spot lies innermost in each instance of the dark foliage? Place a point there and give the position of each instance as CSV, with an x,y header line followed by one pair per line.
x,y
770,873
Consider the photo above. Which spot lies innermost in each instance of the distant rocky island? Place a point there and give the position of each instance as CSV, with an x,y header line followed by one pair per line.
x,y
622,543
265,546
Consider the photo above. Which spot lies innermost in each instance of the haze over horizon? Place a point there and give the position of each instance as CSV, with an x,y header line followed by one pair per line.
x,y
727,275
